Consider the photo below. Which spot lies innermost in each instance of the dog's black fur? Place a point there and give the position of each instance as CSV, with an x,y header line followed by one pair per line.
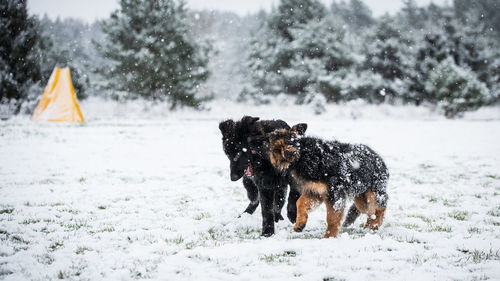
x,y
260,179
347,170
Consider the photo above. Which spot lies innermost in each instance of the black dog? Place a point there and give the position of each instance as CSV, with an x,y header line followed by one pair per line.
x,y
260,179
330,171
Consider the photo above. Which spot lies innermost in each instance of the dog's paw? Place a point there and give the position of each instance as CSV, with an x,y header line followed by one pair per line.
x,y
298,227
267,233
329,235
278,217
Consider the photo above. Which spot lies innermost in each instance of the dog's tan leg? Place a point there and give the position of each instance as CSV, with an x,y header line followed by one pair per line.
x,y
375,213
379,216
305,204
333,218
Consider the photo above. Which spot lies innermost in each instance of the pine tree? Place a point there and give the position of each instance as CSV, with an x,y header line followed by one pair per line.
x,y
388,53
464,43
411,14
457,89
322,58
355,13
19,65
291,13
153,53
271,53
486,12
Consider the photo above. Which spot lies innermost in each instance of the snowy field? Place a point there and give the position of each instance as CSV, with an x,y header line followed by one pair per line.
x,y
139,193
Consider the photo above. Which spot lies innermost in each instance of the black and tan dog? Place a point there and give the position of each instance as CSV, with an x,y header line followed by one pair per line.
x,y
330,172
262,182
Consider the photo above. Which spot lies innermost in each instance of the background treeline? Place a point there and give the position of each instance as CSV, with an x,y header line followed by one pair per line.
x,y
445,56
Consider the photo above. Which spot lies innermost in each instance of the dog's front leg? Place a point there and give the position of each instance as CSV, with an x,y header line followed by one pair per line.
x,y
266,197
252,193
279,200
305,204
291,207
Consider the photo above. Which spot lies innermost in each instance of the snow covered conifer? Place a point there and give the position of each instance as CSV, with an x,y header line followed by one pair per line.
x,y
322,58
19,65
291,13
271,53
355,13
152,51
388,53
463,43
456,89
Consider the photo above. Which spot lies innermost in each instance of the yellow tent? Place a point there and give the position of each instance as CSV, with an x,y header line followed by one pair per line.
x,y
58,102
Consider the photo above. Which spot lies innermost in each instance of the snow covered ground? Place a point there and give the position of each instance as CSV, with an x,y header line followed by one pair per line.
x,y
140,193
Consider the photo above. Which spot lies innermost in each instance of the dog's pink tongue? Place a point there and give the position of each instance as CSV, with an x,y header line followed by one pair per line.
x,y
248,171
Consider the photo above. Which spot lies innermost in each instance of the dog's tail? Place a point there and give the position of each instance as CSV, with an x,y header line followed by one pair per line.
x,y
352,215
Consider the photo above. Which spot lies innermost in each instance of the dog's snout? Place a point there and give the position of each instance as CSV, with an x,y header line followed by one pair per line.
x,y
234,177
288,154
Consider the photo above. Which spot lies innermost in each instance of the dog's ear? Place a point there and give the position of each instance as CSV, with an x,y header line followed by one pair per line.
x,y
299,129
227,127
249,120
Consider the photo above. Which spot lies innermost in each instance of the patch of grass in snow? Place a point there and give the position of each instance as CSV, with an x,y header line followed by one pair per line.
x,y
17,239
440,228
450,203
214,234
284,257
202,215
57,204
5,272
177,240
56,245
473,230
478,196
494,212
6,210
459,215
423,218
47,181
417,259
81,250
433,199
248,233
425,166
495,223
71,211
332,279
495,177
107,229
30,221
82,180
101,207
45,259
411,226
355,232
477,256
408,239
75,225
461,176
416,180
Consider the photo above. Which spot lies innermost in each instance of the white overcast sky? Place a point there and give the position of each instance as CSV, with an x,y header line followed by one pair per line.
x,y
90,10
